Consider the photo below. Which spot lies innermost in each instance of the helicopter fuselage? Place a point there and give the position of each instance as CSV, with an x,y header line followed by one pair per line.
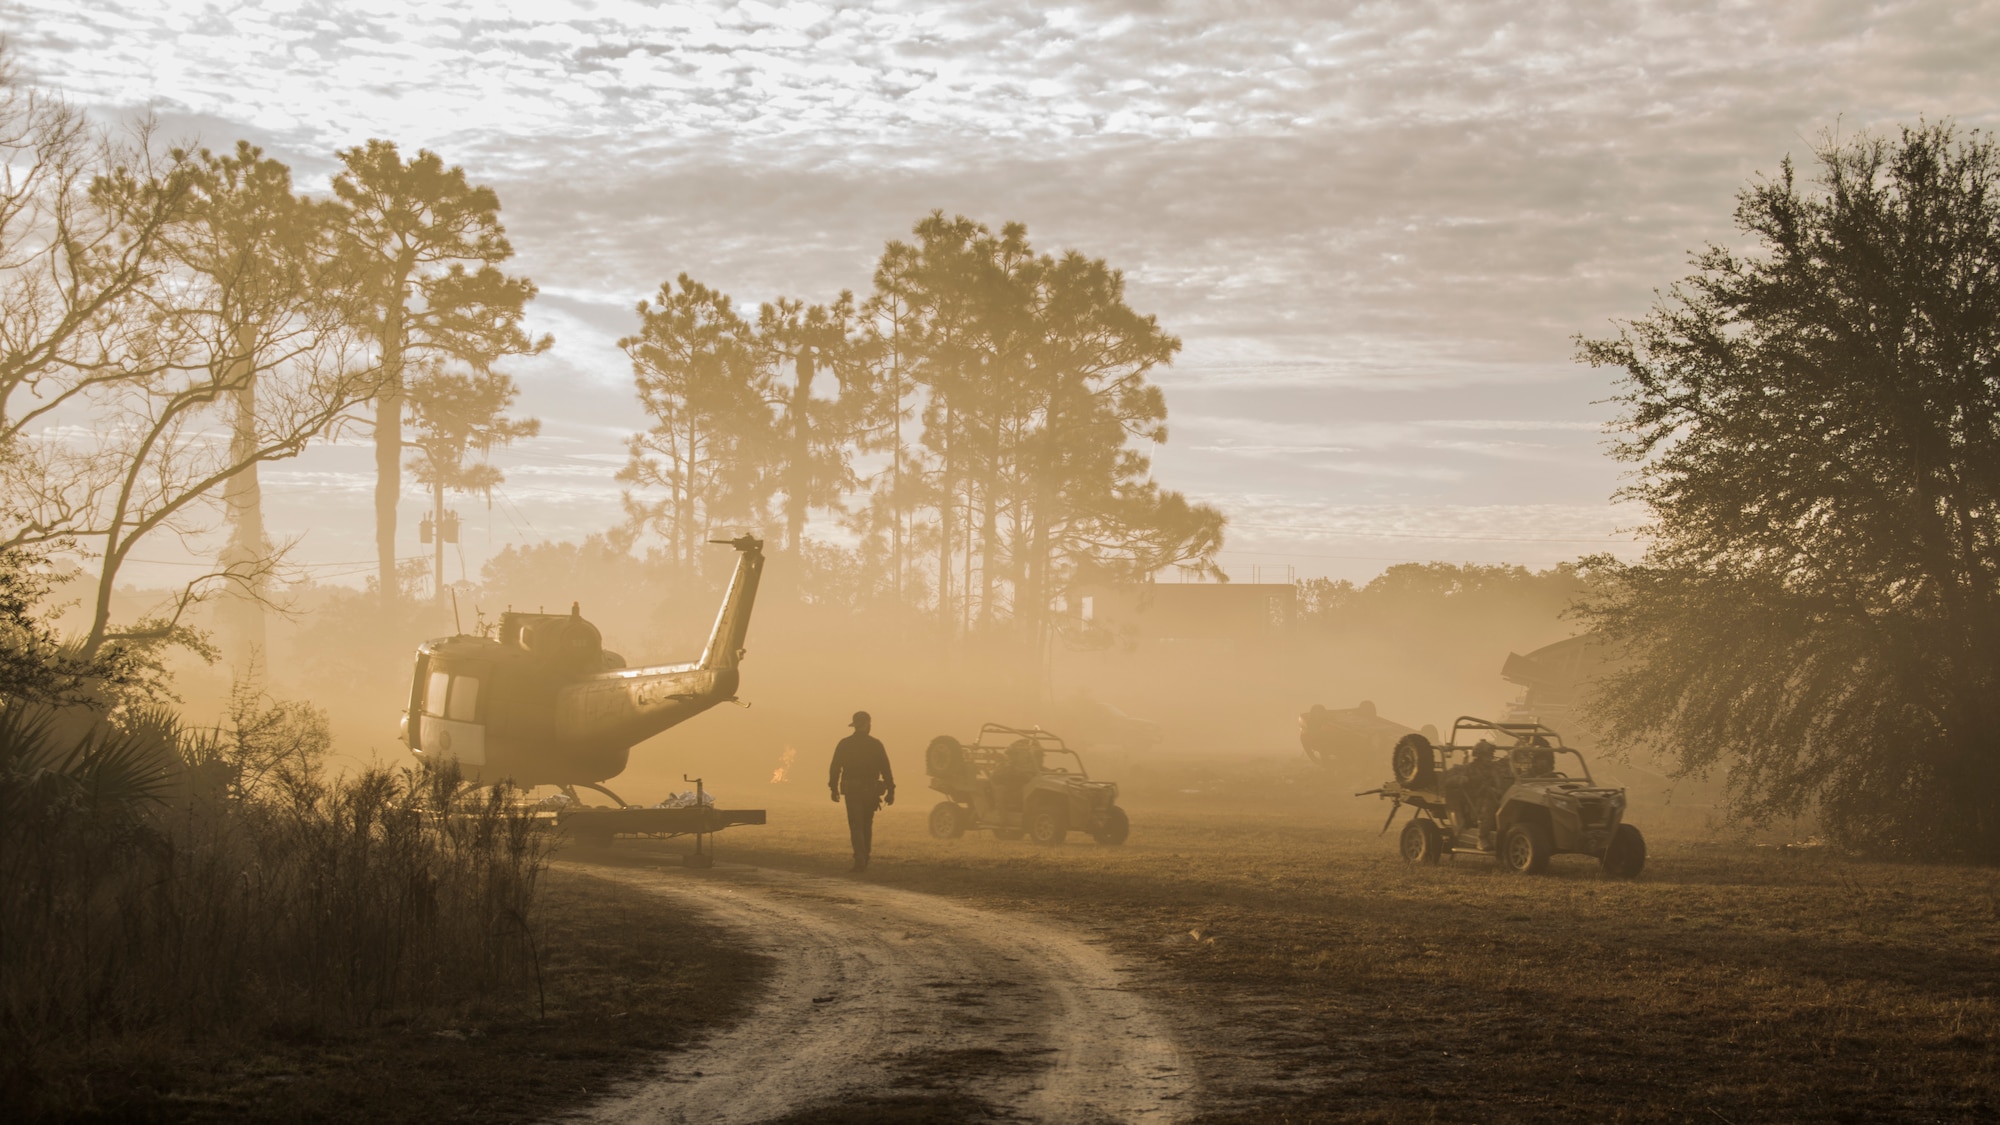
x,y
544,704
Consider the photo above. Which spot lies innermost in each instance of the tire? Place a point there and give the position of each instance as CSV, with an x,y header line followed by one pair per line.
x,y
944,757
1046,823
1422,842
1117,828
947,821
1525,848
1413,761
1626,856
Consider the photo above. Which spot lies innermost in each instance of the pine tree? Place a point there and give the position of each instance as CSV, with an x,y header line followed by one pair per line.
x,y
421,247
454,414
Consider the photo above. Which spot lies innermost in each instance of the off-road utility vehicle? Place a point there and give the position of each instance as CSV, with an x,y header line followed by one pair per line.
x,y
1019,782
1505,790
1342,735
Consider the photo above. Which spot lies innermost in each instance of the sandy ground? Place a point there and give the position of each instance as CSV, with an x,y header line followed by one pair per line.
x,y
879,994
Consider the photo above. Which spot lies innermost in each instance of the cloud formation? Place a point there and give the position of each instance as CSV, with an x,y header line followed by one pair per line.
x,y
1352,212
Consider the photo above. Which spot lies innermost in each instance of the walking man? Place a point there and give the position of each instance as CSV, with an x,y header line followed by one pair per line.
x,y
861,772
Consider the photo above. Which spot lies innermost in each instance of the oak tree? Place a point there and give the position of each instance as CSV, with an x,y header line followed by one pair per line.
x,y
1813,423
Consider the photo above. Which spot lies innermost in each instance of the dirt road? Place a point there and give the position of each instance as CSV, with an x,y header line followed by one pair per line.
x,y
880,996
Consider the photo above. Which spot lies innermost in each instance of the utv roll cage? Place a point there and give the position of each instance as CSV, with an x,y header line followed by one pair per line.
x,y
995,740
1517,736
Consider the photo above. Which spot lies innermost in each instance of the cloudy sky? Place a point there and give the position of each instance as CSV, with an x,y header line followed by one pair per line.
x,y
1376,226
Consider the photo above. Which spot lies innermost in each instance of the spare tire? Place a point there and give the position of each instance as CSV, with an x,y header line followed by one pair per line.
x,y
1414,761
945,757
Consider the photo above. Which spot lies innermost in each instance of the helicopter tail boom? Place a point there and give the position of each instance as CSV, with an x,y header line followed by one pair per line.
x,y
624,707
732,621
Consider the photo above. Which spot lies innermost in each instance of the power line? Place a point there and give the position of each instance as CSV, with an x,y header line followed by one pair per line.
x,y
1414,535
299,566
1298,555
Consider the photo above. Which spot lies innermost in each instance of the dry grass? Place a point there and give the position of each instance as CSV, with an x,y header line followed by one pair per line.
x,y
624,982
1314,977
1320,979
316,908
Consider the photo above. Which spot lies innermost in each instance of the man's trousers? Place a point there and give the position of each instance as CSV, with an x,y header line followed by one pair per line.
x,y
861,823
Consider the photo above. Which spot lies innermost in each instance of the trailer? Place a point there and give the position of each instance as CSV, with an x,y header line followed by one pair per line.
x,y
597,826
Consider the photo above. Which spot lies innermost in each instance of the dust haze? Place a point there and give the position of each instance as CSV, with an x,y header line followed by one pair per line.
x,y
1423,650
774,562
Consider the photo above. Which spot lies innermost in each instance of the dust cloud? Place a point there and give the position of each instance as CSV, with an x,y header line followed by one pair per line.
x,y
1212,717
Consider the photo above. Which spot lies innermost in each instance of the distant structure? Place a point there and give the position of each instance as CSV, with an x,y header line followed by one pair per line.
x,y
1556,676
1132,615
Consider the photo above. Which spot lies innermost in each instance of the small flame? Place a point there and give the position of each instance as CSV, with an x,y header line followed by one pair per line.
x,y
784,770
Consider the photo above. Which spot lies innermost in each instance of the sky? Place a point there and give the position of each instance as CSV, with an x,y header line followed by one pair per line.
x,y
1378,228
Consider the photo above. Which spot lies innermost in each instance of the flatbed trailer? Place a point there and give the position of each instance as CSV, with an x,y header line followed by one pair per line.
x,y
597,826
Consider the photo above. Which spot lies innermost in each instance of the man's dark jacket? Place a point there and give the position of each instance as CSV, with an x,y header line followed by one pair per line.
x,y
860,767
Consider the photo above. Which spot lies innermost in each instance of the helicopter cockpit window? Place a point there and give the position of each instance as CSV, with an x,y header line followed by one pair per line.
x,y
464,698
434,693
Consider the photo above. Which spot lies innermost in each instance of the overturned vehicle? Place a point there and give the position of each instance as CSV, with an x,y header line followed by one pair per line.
x,y
1337,735
1019,782
1506,790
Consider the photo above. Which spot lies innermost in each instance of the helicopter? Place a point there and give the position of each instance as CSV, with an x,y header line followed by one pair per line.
x,y
543,702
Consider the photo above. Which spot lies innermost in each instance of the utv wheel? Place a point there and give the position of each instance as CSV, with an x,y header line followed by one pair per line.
x,y
947,821
1526,847
1117,827
1411,761
1626,856
1422,842
1046,824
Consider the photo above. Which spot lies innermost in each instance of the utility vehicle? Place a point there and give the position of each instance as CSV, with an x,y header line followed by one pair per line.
x,y
1019,782
1506,789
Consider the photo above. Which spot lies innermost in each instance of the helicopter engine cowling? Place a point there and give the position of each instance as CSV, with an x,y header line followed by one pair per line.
x,y
563,641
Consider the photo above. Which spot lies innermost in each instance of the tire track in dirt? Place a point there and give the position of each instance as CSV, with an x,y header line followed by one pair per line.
x,y
878,994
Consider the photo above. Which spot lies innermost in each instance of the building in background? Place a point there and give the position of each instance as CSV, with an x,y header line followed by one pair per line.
x,y
1103,615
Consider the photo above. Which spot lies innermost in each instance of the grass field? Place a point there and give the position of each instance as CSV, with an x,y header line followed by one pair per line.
x,y
1318,978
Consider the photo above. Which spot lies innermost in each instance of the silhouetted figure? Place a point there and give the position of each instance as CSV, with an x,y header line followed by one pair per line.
x,y
1473,789
860,771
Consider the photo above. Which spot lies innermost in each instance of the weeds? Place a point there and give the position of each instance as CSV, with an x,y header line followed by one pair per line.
x,y
147,890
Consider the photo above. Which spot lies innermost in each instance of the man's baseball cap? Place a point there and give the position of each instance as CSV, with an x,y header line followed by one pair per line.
x,y
859,718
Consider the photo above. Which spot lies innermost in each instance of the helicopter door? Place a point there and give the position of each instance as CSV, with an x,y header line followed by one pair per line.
x,y
451,704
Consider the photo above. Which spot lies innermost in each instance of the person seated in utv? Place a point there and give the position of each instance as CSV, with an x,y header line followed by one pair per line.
x,y
1024,761
1538,759
1472,789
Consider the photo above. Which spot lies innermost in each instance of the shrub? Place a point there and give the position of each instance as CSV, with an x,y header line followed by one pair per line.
x,y
145,891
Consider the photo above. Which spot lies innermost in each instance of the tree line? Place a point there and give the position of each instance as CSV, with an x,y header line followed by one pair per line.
x,y
977,421
175,318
